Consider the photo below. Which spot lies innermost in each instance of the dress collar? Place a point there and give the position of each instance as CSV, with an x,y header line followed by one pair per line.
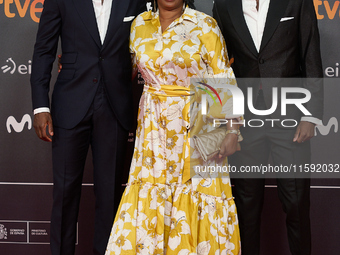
x,y
188,14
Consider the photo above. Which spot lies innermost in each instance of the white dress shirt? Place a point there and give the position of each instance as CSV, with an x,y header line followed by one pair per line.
x,y
256,20
102,12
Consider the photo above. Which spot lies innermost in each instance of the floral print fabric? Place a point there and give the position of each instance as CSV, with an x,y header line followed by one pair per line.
x,y
160,213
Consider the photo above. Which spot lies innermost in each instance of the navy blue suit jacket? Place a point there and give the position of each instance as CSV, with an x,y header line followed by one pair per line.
x,y
86,62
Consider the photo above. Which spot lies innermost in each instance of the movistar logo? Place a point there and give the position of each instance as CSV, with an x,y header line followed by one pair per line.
x,y
18,126
326,129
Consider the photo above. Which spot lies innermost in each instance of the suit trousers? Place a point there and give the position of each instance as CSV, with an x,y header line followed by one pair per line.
x,y
101,130
293,192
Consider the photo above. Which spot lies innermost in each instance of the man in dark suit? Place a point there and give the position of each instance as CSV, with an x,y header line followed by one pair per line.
x,y
274,39
91,105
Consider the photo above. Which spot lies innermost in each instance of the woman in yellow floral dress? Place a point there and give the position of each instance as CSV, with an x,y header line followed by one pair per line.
x,y
163,210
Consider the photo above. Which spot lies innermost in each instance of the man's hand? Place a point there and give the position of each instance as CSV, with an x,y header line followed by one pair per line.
x,y
304,132
59,64
41,121
229,146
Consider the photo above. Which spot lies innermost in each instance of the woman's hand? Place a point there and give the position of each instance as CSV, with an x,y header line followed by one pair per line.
x,y
230,143
229,146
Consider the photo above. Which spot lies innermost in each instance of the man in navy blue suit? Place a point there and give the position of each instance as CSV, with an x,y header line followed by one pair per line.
x,y
91,105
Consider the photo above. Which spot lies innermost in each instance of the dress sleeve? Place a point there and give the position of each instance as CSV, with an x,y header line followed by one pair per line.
x,y
214,50
219,71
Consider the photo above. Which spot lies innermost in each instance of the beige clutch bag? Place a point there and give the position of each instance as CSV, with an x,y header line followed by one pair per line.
x,y
209,144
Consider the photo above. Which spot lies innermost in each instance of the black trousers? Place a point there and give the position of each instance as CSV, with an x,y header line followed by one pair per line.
x,y
294,193
100,129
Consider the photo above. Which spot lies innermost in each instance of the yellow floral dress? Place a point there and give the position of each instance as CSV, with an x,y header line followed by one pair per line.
x,y
162,212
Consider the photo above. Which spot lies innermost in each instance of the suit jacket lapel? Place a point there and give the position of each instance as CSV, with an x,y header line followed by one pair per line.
x,y
235,10
88,17
118,11
276,10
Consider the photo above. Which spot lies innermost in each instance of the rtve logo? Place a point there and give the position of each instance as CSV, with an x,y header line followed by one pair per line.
x,y
11,67
18,126
324,9
34,6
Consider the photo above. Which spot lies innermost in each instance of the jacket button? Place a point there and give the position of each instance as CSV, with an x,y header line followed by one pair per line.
x,y
95,80
261,60
101,59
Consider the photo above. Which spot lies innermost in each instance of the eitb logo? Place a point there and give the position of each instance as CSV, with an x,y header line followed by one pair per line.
x,y
11,67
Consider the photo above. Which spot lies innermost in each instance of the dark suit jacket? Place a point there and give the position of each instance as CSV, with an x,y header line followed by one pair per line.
x,y
86,62
289,49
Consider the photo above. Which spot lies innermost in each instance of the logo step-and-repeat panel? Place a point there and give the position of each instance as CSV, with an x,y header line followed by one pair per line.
x,y
25,161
